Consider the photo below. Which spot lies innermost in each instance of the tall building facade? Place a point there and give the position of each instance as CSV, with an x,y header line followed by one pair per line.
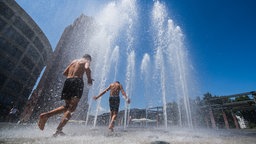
x,y
73,44
24,52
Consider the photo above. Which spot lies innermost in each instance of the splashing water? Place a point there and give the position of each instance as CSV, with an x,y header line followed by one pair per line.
x,y
178,60
158,19
113,19
165,75
130,78
15,134
113,48
171,58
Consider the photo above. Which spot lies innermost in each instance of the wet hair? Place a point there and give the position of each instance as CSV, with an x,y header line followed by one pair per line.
x,y
118,82
87,56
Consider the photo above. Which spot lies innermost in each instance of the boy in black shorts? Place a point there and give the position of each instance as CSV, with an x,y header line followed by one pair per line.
x,y
71,93
114,100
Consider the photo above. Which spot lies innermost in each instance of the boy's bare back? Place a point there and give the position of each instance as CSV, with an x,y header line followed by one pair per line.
x,y
76,68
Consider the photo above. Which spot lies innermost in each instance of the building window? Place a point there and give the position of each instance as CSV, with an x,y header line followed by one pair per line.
x,y
38,44
14,85
13,35
33,54
27,63
40,63
3,78
21,25
6,64
5,11
2,24
45,56
21,74
12,50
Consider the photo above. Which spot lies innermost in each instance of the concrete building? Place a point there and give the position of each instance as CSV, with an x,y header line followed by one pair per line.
x,y
24,52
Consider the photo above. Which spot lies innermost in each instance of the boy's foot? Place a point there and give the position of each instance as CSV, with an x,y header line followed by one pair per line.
x,y
59,133
111,128
42,120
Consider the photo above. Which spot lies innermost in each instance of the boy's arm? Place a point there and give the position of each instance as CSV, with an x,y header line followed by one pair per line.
x,y
124,94
88,72
102,93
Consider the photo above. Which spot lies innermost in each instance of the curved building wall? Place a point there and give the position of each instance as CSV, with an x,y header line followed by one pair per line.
x,y
24,51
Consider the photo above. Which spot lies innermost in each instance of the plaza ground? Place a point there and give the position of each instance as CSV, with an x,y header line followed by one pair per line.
x,y
78,133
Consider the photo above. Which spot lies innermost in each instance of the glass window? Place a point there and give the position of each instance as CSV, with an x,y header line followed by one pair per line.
x,y
3,78
14,52
27,63
2,24
10,49
33,54
21,73
40,63
13,35
5,10
21,25
3,44
38,44
6,63
14,85
45,56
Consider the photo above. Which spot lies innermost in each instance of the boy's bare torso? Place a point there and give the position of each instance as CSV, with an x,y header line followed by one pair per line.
x,y
115,89
76,69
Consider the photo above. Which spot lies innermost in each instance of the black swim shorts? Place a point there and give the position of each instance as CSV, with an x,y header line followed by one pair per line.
x,y
114,102
73,87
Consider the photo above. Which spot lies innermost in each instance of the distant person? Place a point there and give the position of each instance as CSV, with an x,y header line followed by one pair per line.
x,y
13,114
71,93
114,100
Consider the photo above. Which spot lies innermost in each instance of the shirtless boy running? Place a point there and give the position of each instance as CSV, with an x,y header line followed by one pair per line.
x,y
71,93
114,100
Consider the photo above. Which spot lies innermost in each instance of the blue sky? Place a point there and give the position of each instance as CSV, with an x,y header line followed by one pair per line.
x,y
220,35
221,38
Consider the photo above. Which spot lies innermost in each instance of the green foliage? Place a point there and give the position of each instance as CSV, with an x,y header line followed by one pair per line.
x,y
252,125
242,98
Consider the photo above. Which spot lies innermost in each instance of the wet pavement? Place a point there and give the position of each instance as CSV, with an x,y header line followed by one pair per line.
x,y
78,133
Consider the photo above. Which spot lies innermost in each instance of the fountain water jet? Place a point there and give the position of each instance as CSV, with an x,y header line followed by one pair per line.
x,y
178,60
114,60
158,19
145,70
170,54
114,52
112,21
169,72
130,79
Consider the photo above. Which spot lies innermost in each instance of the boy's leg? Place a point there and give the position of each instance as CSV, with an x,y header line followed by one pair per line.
x,y
112,122
71,106
64,120
44,116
